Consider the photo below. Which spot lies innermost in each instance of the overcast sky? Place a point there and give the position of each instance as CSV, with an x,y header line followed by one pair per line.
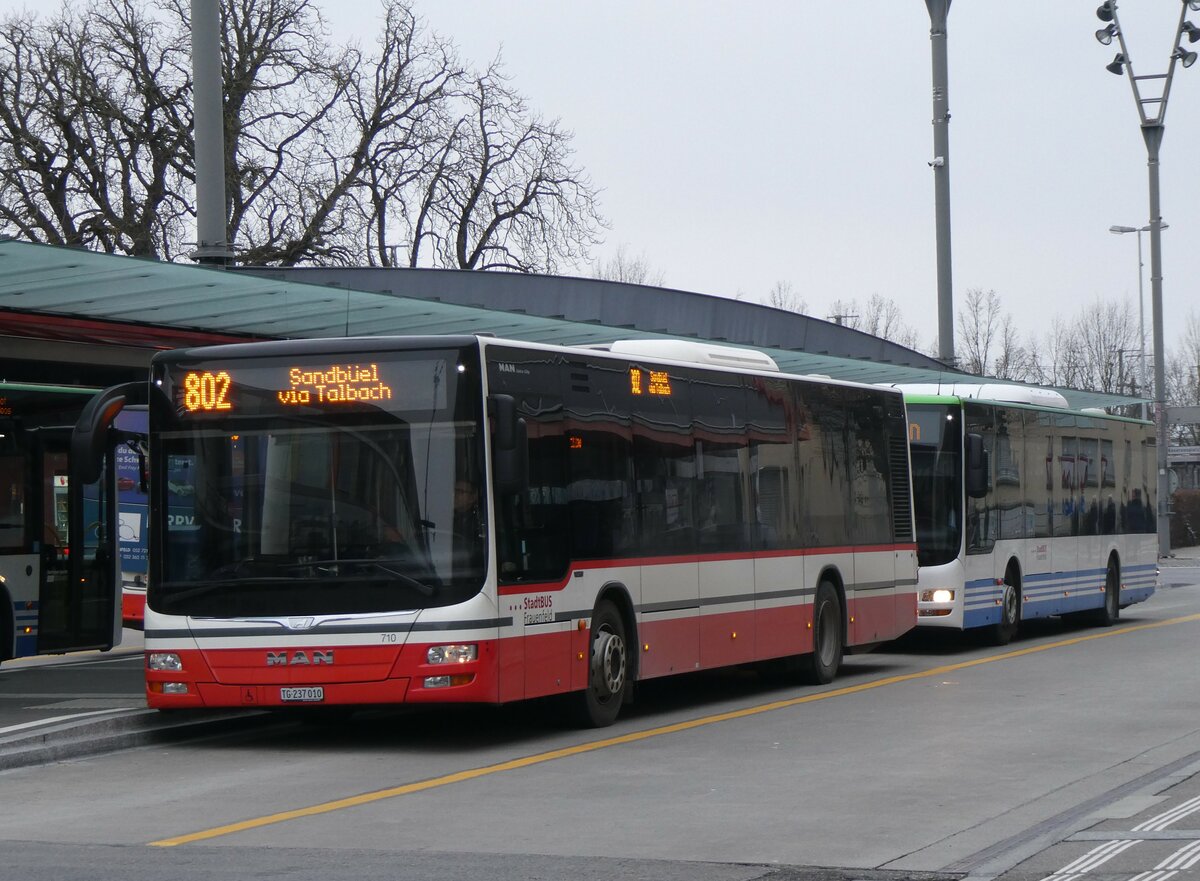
x,y
741,144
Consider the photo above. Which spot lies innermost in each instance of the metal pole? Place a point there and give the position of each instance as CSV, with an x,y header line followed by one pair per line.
x,y
212,245
938,12
1141,325
1153,134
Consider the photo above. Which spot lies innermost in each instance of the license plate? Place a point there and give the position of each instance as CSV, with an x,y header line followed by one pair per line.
x,y
307,694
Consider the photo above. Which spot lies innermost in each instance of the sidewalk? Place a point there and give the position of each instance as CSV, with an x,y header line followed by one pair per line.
x,y
1182,557
60,707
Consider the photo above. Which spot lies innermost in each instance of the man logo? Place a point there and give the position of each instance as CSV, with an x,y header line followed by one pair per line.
x,y
299,659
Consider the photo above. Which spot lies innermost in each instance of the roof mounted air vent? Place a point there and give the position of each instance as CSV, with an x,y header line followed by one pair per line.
x,y
697,353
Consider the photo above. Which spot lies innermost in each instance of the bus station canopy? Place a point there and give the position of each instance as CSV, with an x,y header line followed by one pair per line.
x,y
50,292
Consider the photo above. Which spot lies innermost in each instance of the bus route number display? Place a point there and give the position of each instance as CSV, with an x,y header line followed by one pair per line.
x,y
206,392
654,382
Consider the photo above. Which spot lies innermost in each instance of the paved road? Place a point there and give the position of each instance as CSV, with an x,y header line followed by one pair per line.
x,y
933,759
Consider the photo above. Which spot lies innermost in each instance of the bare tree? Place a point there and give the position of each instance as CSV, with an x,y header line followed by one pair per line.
x,y
979,322
630,270
783,295
333,155
92,143
882,318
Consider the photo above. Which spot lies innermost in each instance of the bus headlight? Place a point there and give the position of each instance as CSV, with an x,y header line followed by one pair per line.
x,y
941,595
451,654
163,661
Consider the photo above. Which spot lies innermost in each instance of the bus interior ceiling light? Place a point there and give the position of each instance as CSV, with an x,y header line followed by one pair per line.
x,y
1117,65
1105,34
1105,11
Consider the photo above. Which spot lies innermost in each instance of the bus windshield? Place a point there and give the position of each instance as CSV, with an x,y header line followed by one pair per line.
x,y
935,440
294,490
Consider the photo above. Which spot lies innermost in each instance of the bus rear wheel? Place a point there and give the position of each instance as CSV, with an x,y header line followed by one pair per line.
x,y
608,669
822,665
1107,615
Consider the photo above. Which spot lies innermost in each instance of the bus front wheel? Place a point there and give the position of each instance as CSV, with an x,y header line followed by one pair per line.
x,y
608,669
1002,632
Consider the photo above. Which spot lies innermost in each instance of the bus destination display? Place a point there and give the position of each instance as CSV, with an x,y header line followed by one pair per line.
x,y
247,389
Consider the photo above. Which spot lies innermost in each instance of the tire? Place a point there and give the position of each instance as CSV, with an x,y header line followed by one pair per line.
x,y
1002,632
1107,615
608,669
822,665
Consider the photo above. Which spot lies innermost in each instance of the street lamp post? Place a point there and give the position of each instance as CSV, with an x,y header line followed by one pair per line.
x,y
1152,111
938,12
1119,230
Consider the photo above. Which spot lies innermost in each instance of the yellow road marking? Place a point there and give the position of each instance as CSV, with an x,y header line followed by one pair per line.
x,y
580,749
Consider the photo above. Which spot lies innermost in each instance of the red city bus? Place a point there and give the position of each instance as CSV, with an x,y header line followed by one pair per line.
x,y
469,519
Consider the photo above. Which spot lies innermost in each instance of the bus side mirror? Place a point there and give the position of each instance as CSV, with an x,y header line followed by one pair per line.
x,y
503,410
977,467
510,449
90,437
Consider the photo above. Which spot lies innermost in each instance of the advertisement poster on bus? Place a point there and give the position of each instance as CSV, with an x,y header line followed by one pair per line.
x,y
132,514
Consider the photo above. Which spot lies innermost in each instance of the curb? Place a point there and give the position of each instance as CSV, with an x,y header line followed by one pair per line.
x,y
88,737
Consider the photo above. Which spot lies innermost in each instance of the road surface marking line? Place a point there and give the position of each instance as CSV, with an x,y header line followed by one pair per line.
x,y
1094,858
1166,818
52,720
634,737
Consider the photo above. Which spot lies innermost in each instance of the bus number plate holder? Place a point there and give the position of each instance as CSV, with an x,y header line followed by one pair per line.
x,y
308,694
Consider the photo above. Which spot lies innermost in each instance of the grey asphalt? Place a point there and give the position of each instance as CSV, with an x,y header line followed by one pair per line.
x,y
61,707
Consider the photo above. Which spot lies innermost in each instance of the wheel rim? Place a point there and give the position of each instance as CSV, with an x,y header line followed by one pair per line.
x,y
608,663
825,641
1010,605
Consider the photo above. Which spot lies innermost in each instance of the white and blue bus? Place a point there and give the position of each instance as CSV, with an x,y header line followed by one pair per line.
x,y
56,527
1025,508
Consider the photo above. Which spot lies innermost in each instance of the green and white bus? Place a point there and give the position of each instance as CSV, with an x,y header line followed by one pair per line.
x,y
1025,508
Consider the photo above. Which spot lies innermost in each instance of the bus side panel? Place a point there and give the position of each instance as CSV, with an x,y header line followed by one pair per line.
x,y
669,642
727,620
548,658
782,607
510,666
670,619
872,602
21,573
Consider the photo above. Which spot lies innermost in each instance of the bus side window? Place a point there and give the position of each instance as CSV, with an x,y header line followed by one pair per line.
x,y
531,541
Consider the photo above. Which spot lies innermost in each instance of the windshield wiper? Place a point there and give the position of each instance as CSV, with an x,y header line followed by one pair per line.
x,y
334,568
201,588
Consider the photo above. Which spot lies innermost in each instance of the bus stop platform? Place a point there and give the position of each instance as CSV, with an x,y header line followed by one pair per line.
x,y
60,707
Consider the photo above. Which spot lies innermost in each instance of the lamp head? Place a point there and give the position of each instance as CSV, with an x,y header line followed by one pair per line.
x,y
1105,34
1193,32
1117,65
1185,57
1105,10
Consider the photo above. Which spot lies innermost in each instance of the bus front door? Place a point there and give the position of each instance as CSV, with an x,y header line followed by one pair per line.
x,y
76,595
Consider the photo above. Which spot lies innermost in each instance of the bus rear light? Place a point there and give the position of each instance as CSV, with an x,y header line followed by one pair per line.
x,y
933,613
941,595
451,654
163,661
449,681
